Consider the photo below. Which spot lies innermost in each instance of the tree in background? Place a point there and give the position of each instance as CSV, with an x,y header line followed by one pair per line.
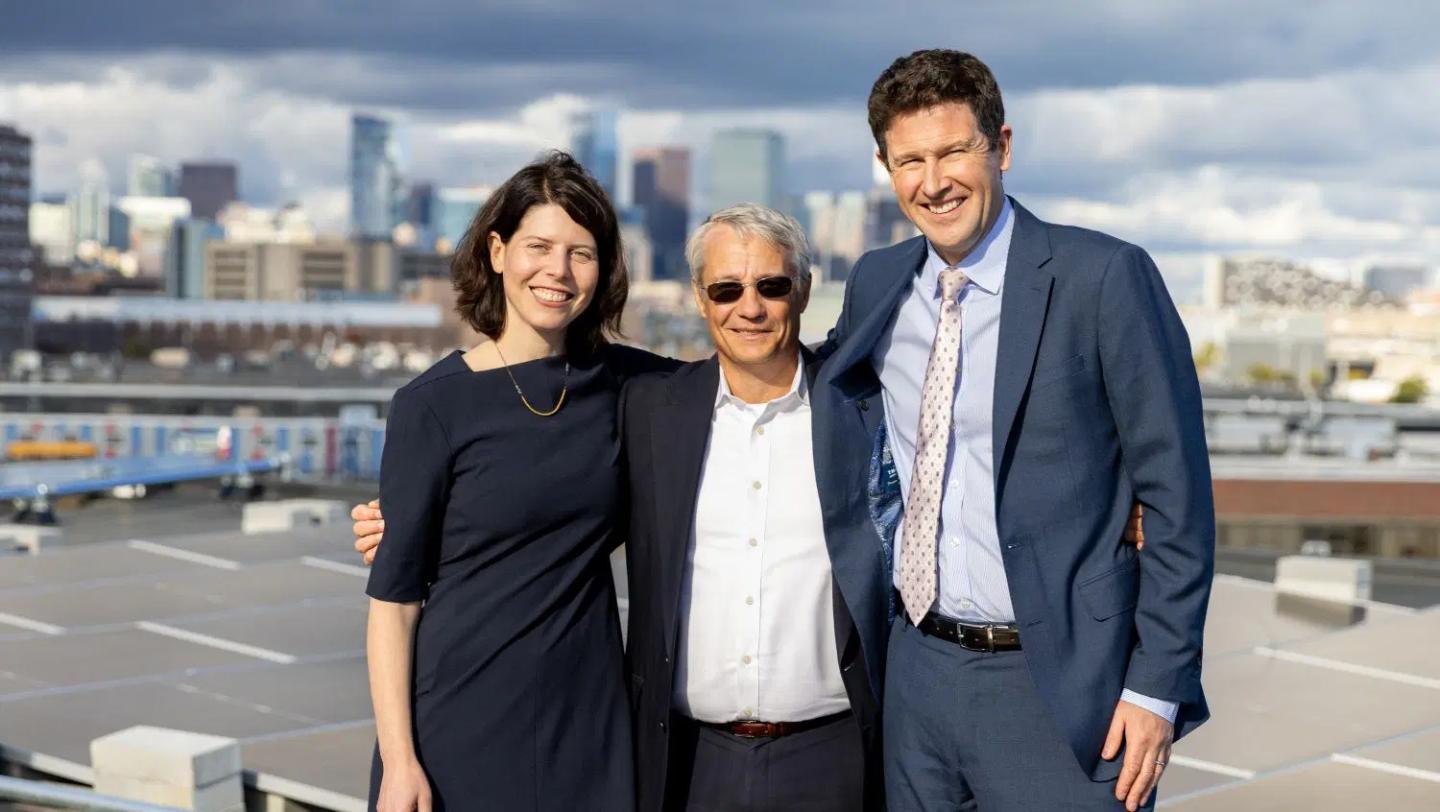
x,y
1411,390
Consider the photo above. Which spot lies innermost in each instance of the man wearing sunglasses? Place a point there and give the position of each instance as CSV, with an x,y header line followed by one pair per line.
x,y
748,684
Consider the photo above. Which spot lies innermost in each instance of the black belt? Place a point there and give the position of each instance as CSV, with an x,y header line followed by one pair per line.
x,y
770,730
989,638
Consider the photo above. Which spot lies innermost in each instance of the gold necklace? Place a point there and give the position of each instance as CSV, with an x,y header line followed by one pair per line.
x,y
564,385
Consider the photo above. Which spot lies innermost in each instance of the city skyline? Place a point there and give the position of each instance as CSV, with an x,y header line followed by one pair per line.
x,y
1188,131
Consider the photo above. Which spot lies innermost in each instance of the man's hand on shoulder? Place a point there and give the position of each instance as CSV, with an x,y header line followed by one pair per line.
x,y
369,528
1146,738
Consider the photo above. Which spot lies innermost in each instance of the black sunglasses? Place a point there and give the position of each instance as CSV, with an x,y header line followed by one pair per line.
x,y
771,287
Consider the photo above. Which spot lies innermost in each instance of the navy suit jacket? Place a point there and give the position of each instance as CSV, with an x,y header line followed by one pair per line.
x,y
1096,405
666,422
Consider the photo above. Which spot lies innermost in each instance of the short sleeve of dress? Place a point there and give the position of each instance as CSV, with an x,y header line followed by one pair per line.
x,y
414,489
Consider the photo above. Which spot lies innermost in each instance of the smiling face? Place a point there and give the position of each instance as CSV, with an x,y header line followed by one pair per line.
x,y
946,175
753,331
550,268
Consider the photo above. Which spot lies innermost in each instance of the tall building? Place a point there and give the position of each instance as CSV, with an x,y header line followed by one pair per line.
x,y
836,227
662,188
185,257
117,229
747,166
149,178
52,230
639,253
375,178
885,222
92,205
152,223
595,144
209,187
454,209
17,286
420,205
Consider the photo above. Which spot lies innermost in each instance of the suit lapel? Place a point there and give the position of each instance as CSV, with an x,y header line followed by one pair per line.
x,y
678,455
844,626
888,292
1022,320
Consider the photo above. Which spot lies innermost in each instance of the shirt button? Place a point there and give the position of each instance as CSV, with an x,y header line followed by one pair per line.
x,y
966,604
754,542
759,429
745,659
747,712
756,485
749,600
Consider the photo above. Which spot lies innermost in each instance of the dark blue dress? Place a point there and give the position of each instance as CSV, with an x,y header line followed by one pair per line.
x,y
502,522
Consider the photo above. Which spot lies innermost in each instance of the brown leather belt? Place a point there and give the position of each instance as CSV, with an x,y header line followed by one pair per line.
x,y
989,638
771,730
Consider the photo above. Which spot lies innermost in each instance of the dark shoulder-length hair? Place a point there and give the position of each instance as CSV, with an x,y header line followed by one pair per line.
x,y
554,178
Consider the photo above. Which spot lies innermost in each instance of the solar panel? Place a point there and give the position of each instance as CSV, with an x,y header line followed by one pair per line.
x,y
261,638
28,480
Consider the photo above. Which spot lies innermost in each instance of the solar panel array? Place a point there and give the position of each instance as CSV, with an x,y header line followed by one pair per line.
x,y
261,638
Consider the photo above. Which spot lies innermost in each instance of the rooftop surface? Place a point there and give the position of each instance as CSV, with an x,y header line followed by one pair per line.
x,y
261,638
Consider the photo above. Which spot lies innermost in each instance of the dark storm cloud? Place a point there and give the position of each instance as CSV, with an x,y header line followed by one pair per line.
x,y
449,54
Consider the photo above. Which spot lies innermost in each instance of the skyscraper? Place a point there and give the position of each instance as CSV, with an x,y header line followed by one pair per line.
x,y
149,177
454,210
374,176
92,205
595,144
152,224
16,276
420,205
209,187
662,188
185,257
747,166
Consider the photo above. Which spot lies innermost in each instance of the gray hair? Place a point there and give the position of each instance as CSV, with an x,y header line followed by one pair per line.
x,y
753,220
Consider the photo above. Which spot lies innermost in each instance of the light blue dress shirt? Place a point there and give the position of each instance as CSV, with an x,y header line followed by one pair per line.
x,y
972,583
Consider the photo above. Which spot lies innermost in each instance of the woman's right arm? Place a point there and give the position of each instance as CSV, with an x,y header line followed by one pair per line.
x,y
415,478
389,641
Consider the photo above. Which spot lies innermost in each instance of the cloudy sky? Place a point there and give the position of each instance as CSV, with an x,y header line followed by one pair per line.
x,y
1308,130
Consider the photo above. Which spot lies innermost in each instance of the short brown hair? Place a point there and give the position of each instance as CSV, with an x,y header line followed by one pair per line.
x,y
554,178
927,78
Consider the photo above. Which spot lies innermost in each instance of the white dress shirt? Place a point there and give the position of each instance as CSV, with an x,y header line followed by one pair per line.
x,y
972,586
757,617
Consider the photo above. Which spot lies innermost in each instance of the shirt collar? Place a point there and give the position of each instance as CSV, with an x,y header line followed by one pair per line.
x,y
984,266
799,392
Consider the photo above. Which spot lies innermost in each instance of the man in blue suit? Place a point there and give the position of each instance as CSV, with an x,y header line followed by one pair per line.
x,y
1035,381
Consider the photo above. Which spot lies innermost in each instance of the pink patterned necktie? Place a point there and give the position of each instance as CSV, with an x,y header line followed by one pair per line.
x,y
927,482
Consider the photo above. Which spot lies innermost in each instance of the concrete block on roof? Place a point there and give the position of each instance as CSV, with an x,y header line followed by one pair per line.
x,y
30,538
171,767
1347,580
222,796
288,514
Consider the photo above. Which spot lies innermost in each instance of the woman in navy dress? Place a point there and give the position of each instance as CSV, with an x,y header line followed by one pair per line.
x,y
494,640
